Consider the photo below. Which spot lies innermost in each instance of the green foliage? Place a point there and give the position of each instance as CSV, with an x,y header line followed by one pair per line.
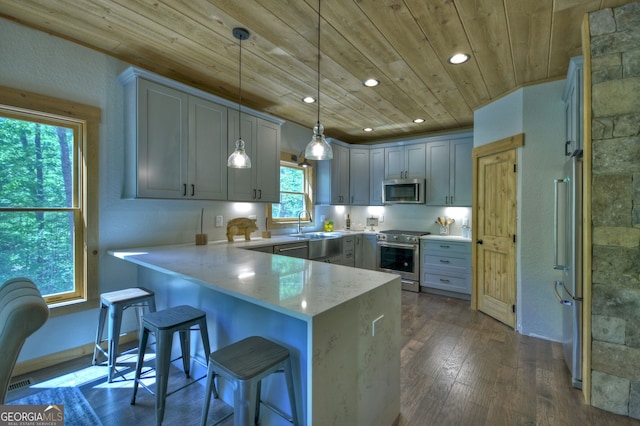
x,y
292,195
37,244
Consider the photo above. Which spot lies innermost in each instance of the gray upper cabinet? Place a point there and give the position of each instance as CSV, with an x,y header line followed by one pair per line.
x,y
359,189
405,162
449,172
177,144
262,142
376,176
333,177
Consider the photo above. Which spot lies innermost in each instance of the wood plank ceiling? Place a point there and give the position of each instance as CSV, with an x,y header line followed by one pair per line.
x,y
403,43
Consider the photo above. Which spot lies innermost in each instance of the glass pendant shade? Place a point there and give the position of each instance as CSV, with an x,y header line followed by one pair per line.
x,y
239,158
318,148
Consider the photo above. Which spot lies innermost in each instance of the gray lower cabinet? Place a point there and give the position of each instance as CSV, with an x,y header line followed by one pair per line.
x,y
366,251
446,266
348,250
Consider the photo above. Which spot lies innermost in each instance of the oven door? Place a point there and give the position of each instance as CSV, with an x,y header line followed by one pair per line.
x,y
399,258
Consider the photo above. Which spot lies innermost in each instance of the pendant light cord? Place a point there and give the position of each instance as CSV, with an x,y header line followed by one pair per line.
x,y
319,61
240,92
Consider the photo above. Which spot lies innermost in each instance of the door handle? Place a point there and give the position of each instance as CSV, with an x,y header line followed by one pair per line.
x,y
193,190
478,241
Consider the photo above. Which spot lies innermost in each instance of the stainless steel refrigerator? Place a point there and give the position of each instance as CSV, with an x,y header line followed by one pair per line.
x,y
568,259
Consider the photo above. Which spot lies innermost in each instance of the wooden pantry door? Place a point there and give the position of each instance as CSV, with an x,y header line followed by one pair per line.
x,y
494,217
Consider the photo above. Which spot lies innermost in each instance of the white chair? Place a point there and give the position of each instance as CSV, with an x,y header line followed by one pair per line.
x,y
22,312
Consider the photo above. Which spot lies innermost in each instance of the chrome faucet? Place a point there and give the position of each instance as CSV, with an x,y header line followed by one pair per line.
x,y
299,215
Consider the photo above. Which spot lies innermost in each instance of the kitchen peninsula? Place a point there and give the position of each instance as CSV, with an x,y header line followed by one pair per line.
x,y
341,324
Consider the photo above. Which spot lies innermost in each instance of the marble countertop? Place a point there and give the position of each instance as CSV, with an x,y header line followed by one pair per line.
x,y
297,287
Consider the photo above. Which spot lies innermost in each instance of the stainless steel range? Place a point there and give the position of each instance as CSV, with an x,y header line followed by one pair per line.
x,y
398,252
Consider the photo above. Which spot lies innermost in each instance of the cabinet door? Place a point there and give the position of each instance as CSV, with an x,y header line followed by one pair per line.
x,y
240,181
415,161
162,141
359,176
207,150
369,243
438,173
394,162
460,172
267,160
340,175
376,176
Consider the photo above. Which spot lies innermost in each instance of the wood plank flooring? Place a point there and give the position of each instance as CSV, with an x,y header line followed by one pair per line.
x,y
459,367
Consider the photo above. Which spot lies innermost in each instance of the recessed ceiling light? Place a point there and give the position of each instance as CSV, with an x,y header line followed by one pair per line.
x,y
371,82
368,129
418,120
308,99
459,58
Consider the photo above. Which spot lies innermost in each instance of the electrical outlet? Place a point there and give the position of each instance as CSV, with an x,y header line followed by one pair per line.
x,y
218,221
322,218
381,219
376,324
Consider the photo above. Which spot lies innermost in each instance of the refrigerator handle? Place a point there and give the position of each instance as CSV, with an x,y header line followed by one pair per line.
x,y
556,230
562,301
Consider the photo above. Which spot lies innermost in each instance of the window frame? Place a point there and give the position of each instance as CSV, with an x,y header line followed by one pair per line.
x,y
291,160
85,120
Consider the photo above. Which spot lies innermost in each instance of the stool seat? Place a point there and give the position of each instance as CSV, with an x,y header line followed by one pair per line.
x,y
246,363
164,324
115,303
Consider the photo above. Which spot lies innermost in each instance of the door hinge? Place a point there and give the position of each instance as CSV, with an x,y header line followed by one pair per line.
x,y
513,308
514,168
514,238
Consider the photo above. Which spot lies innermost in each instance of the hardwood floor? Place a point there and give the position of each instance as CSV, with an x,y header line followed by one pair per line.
x,y
459,367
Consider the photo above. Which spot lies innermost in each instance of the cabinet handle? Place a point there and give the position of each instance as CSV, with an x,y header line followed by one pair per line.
x,y
444,261
254,193
444,246
193,190
446,199
479,242
283,250
184,189
566,148
444,280
451,199
259,194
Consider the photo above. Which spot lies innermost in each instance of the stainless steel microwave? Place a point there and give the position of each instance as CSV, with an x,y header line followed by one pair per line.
x,y
403,191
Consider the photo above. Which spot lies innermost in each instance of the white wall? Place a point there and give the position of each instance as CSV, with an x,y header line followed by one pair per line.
x,y
538,112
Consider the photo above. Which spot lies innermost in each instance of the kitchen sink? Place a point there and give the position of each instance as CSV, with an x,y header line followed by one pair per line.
x,y
322,244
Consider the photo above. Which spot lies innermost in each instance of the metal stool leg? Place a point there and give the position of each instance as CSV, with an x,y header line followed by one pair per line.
x,y
185,347
244,402
143,345
101,320
211,387
288,374
164,341
115,322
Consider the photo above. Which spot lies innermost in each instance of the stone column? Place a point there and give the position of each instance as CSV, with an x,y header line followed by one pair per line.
x,y
615,73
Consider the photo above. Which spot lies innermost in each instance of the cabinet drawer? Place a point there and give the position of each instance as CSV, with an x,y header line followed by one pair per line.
x,y
445,282
447,262
439,246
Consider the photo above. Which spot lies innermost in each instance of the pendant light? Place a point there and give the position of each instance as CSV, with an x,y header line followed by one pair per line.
x,y
318,148
239,158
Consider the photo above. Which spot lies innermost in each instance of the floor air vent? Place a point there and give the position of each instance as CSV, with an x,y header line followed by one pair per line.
x,y
21,384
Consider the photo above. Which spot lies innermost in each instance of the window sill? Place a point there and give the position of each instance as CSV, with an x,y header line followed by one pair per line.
x,y
71,307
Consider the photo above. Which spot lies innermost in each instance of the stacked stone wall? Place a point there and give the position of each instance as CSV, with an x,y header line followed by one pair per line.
x,y
615,106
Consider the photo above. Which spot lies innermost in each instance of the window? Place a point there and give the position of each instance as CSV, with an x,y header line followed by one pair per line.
x,y
295,194
45,171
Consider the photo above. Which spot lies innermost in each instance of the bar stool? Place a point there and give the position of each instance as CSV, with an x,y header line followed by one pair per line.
x,y
116,302
246,363
164,324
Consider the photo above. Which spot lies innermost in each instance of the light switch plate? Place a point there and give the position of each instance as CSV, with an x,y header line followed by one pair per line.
x,y
218,221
